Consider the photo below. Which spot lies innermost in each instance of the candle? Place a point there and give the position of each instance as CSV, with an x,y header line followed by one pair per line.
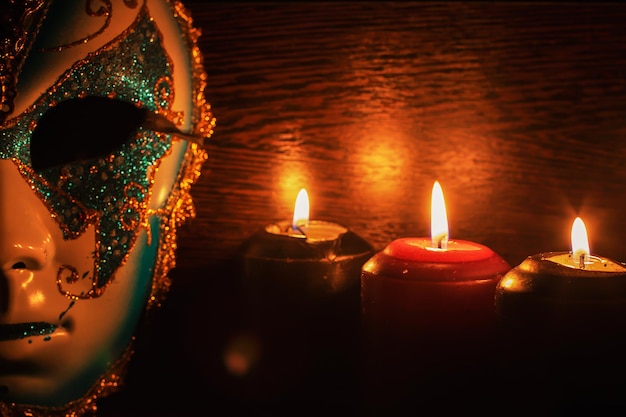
x,y
562,325
307,260
428,313
301,281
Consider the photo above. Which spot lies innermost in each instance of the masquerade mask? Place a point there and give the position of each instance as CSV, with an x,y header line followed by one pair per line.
x,y
95,172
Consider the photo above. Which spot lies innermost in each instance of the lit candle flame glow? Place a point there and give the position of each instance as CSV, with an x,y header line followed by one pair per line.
x,y
301,210
438,219
580,243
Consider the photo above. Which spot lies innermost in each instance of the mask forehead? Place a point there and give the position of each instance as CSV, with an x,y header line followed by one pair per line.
x,y
111,191
70,32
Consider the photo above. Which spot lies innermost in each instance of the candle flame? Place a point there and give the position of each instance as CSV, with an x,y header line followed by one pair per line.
x,y
438,218
580,243
301,210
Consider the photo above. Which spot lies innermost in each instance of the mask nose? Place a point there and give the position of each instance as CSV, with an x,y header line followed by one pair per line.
x,y
25,239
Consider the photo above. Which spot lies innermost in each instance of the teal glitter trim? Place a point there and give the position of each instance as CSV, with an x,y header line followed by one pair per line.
x,y
111,191
24,330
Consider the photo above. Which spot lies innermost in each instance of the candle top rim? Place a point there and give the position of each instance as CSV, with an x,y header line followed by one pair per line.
x,y
541,262
314,221
419,249
418,263
332,230
593,263
280,247
539,275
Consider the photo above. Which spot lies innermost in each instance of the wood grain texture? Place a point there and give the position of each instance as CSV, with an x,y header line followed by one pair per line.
x,y
519,110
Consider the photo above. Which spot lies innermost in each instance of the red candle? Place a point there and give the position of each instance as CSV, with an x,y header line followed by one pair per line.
x,y
428,313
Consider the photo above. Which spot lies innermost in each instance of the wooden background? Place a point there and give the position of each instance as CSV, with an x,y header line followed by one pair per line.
x,y
518,109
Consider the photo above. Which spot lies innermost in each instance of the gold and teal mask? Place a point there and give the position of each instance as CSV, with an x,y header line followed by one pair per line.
x,y
103,117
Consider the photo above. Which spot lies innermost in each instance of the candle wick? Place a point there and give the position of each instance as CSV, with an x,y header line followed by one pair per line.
x,y
441,242
297,228
581,261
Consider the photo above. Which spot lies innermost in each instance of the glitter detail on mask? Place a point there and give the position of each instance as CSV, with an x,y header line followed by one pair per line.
x,y
182,208
69,280
24,330
20,24
202,118
112,191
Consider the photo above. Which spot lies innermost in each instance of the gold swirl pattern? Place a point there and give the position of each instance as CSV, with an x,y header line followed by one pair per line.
x,y
94,8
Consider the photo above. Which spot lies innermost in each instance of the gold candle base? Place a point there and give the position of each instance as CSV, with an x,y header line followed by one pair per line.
x,y
562,333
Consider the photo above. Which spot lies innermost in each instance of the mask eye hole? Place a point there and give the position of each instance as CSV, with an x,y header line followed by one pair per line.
x,y
83,128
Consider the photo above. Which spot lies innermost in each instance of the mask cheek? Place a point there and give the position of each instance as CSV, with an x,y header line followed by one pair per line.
x,y
103,325
28,250
90,333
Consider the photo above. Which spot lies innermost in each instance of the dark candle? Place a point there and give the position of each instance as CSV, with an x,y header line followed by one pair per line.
x,y
301,281
302,261
428,316
562,323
